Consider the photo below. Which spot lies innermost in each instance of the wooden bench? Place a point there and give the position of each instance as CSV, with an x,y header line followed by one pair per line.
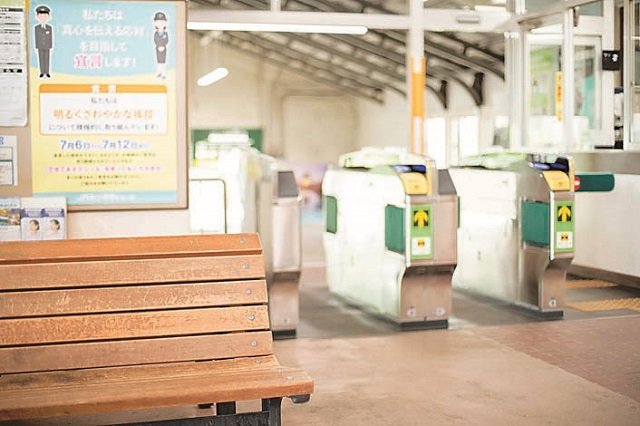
x,y
124,324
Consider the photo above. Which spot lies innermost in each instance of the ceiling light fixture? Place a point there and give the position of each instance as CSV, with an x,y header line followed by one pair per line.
x,y
286,28
468,18
213,76
491,9
220,71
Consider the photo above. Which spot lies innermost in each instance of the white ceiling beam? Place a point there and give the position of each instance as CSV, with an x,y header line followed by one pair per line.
x,y
434,19
369,20
456,20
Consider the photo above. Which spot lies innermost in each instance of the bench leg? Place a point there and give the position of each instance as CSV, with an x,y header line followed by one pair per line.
x,y
225,408
226,415
272,405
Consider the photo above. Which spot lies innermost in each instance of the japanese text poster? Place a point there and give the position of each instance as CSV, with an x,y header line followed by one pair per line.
x,y
103,101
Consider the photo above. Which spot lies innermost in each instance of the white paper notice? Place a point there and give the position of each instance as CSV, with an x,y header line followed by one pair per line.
x,y
13,69
8,160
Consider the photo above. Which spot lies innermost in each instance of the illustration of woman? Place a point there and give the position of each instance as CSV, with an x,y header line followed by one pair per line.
x,y
54,229
160,39
33,232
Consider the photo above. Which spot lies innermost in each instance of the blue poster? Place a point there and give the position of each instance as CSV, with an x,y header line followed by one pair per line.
x,y
102,38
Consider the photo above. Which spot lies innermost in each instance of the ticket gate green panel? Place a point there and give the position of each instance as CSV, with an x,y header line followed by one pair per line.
x,y
535,223
331,205
564,226
421,231
596,182
394,229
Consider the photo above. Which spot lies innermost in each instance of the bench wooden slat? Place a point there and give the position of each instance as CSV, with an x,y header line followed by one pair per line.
x,y
152,297
73,395
165,392
122,272
47,379
28,359
129,248
42,330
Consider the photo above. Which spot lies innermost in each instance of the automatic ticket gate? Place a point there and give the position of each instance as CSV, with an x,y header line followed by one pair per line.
x,y
287,256
390,236
516,228
234,189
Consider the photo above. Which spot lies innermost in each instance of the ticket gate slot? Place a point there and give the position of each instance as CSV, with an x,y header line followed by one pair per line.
x,y
527,202
287,256
547,234
401,269
238,189
423,232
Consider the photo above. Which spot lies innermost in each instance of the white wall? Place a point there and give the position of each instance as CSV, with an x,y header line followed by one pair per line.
x,y
607,234
127,224
383,124
318,129
233,101
302,121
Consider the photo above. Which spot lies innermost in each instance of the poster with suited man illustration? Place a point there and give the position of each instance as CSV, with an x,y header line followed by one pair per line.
x,y
44,39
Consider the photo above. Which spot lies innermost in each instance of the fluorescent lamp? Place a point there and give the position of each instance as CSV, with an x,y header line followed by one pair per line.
x,y
550,29
485,8
468,18
279,28
213,76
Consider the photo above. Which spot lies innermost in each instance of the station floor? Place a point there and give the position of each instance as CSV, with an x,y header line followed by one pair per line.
x,y
494,365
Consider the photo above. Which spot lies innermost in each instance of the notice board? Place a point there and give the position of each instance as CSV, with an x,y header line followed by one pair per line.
x,y
107,116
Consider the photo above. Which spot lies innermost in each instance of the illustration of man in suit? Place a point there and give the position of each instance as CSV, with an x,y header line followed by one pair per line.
x,y
44,39
160,39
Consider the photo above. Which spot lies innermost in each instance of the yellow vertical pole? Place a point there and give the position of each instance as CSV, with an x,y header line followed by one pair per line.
x,y
416,75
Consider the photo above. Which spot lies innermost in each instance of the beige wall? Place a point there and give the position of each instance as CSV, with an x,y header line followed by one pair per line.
x,y
302,121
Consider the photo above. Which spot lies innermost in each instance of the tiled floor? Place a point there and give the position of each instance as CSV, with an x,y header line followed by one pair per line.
x,y
495,365
604,351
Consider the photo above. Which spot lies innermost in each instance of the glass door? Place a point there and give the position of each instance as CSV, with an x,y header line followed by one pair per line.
x,y
465,139
546,92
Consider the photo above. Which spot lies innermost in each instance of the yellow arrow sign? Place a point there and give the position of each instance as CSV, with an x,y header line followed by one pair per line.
x,y
564,214
420,219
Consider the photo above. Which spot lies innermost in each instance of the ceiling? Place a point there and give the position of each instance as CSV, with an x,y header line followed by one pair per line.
x,y
369,65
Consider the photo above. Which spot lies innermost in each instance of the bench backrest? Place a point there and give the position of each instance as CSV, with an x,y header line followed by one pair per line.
x,y
90,303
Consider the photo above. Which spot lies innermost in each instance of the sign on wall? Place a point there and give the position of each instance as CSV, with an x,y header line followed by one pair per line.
x,y
13,64
106,85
